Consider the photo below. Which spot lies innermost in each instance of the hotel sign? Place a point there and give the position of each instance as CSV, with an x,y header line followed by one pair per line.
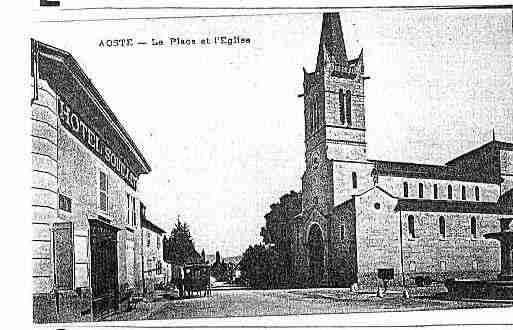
x,y
73,123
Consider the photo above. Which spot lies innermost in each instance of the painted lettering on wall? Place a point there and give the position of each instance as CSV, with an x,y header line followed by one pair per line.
x,y
73,123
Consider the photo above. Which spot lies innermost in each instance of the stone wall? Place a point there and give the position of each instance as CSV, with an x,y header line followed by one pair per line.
x,y
456,254
44,187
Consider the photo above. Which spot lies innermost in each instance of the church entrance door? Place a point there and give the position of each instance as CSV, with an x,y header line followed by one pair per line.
x,y
316,255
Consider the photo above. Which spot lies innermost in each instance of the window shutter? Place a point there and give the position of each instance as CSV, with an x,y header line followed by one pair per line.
x,y
63,253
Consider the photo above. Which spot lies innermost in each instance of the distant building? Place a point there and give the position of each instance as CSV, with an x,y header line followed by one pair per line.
x,y
86,251
154,267
360,216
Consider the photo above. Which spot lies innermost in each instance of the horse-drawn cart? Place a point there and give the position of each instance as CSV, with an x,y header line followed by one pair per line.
x,y
197,279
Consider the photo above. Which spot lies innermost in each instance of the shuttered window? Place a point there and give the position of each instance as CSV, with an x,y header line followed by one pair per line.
x,y
130,260
104,187
63,255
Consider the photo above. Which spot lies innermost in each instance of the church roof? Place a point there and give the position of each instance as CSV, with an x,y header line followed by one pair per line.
x,y
425,205
500,145
425,171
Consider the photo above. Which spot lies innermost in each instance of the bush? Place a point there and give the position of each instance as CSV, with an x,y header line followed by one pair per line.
x,y
264,268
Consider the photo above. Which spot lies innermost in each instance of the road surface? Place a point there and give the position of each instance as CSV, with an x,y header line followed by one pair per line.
x,y
242,302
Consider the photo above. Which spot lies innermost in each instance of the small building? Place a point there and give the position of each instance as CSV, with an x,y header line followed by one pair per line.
x,y
155,270
86,228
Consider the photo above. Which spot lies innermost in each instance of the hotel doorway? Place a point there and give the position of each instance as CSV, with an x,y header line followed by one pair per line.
x,y
104,268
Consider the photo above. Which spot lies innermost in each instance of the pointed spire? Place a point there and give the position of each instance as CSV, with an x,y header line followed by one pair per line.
x,y
332,39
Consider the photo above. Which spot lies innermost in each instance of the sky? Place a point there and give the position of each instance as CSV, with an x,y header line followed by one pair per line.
x,y
222,126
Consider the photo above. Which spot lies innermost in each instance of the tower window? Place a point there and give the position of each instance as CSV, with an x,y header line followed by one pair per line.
x,y
314,115
405,189
348,108
435,191
441,225
341,106
342,231
443,266
411,226
476,192
463,193
421,190
473,227
449,192
355,180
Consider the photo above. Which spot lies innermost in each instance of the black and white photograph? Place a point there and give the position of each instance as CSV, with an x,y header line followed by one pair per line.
x,y
269,162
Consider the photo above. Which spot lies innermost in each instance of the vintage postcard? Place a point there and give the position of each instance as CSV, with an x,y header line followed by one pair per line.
x,y
192,163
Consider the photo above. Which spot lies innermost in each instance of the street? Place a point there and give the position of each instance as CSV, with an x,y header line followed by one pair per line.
x,y
246,302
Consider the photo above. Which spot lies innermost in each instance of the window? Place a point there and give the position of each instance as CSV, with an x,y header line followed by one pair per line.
x,y
473,227
128,209
158,243
421,190
341,107
104,188
314,115
413,267
405,189
463,193
64,203
148,239
441,225
316,200
474,265
476,192
342,231
443,266
348,108
449,192
134,219
435,191
411,226
355,180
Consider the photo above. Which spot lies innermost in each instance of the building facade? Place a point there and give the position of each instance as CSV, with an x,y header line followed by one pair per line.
x,y
154,268
86,251
360,216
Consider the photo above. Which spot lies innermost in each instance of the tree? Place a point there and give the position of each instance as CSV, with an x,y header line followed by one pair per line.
x,y
179,248
264,267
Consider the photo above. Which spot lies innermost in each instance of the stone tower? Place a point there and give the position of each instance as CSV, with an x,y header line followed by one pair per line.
x,y
334,112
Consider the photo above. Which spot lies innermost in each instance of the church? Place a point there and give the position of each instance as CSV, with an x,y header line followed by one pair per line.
x,y
363,217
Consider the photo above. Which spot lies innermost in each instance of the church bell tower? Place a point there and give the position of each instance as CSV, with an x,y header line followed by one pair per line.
x,y
336,159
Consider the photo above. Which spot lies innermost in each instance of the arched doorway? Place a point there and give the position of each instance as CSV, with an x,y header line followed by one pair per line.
x,y
315,255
